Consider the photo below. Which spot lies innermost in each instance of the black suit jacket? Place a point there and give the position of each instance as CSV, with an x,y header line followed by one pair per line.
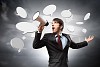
x,y
57,57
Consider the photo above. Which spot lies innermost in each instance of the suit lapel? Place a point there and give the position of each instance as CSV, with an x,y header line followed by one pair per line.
x,y
68,38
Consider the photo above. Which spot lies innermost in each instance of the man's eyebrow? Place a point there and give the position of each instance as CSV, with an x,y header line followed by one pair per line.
x,y
55,21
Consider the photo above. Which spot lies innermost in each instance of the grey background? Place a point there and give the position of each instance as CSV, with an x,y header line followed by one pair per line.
x,y
28,57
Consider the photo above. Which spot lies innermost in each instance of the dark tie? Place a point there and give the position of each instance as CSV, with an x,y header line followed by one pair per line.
x,y
59,41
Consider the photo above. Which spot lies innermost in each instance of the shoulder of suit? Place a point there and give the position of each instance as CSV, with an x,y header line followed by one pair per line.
x,y
66,34
48,33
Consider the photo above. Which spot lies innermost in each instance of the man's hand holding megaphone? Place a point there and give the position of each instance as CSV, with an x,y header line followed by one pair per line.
x,y
40,28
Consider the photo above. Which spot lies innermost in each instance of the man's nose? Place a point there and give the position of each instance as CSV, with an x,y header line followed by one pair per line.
x,y
52,25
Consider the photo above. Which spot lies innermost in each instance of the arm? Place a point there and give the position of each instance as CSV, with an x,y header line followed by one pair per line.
x,y
37,43
81,44
78,45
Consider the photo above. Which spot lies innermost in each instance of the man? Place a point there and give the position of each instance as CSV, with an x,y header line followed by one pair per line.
x,y
57,43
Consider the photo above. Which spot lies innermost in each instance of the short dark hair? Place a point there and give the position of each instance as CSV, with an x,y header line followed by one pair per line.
x,y
59,21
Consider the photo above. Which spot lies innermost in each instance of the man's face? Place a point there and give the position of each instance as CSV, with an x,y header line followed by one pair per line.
x,y
55,27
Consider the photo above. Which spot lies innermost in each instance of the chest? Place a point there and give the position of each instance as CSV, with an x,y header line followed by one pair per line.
x,y
52,42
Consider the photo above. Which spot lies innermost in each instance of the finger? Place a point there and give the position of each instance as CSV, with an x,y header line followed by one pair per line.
x,y
39,26
92,36
42,26
85,38
89,36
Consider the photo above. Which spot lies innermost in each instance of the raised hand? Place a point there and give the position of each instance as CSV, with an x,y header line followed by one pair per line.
x,y
40,28
90,38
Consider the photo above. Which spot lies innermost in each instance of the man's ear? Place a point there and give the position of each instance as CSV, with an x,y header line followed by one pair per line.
x,y
61,27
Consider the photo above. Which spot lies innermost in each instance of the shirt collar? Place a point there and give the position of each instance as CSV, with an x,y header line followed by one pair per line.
x,y
59,34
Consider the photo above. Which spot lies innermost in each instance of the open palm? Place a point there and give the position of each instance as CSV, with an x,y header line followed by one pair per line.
x,y
90,38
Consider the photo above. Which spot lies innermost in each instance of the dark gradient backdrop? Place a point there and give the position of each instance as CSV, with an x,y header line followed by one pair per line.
x,y
28,57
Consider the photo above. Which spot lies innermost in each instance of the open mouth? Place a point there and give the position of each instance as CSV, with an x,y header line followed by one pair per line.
x,y
53,28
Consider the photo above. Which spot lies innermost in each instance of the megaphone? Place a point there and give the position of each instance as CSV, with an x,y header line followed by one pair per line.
x,y
38,18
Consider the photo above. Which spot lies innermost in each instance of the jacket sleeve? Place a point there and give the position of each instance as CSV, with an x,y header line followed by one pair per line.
x,y
37,43
78,45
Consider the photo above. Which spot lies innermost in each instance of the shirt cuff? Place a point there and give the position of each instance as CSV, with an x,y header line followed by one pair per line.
x,y
39,32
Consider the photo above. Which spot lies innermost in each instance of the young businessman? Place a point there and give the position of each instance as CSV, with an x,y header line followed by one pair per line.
x,y
57,43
